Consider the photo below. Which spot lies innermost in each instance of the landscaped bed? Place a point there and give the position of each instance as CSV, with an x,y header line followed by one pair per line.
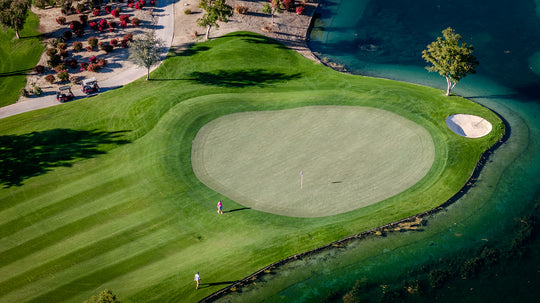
x,y
101,193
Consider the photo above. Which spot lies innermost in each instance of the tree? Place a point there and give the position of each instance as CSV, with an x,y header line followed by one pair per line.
x,y
451,58
13,14
105,296
275,6
215,10
144,51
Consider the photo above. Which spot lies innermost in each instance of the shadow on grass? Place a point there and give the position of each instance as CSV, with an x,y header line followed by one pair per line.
x,y
21,72
205,285
191,50
241,78
33,154
237,209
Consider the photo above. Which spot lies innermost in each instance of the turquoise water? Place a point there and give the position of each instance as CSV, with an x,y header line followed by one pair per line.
x,y
385,39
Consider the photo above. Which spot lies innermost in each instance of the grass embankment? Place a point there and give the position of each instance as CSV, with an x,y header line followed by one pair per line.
x,y
100,193
18,57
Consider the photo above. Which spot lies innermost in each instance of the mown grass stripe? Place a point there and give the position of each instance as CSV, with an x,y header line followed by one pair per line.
x,y
61,232
74,254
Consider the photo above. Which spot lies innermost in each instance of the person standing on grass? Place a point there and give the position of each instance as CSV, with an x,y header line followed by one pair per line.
x,y
220,207
197,279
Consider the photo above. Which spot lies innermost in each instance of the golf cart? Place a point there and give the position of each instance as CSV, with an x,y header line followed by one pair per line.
x,y
90,86
64,94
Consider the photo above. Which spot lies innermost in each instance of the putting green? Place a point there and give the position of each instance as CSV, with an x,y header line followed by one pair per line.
x,y
349,156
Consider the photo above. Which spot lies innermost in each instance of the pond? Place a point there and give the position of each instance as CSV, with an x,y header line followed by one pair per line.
x,y
385,39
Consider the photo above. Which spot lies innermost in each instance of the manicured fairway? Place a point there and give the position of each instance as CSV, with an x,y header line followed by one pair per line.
x,y
348,157
100,192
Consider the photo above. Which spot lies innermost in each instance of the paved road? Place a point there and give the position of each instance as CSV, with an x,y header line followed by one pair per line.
x,y
164,31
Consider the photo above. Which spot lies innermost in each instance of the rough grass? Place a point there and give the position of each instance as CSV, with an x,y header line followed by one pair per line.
x,y
116,204
19,56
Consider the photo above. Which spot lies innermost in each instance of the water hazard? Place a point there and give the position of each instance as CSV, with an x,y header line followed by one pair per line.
x,y
385,39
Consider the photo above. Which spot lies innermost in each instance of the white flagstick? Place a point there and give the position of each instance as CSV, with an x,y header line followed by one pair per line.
x,y
301,179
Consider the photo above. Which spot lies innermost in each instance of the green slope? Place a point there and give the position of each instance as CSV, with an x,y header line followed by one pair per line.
x,y
99,193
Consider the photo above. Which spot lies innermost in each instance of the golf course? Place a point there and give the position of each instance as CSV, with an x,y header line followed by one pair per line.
x,y
119,191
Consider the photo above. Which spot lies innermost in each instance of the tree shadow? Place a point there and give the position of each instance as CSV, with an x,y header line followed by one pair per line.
x,y
29,155
191,50
21,72
241,78
237,209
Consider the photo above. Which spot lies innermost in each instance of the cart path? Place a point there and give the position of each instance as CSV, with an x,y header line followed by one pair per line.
x,y
164,31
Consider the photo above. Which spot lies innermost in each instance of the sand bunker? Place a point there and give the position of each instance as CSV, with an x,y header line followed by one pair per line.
x,y
468,125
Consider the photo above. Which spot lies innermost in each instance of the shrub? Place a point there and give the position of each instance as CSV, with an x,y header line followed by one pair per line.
x,y
93,41
136,22
50,79
107,9
63,75
152,2
241,9
114,42
113,24
103,23
77,46
138,5
51,52
37,89
61,46
93,67
67,35
301,9
64,54
92,59
40,69
41,4
60,67
115,12
79,32
72,63
101,62
89,49
96,11
128,37
75,25
288,4
61,20
124,18
24,92
187,11
84,66
93,25
80,8
124,43
84,19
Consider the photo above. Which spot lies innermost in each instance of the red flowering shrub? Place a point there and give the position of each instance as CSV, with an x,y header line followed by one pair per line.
x,y
300,9
152,2
128,37
115,12
40,69
61,46
72,63
96,11
64,54
75,25
114,42
108,9
123,23
60,67
84,66
93,25
124,18
101,62
89,48
138,5
93,67
77,46
124,43
61,20
130,5
50,78
103,22
79,32
92,59
136,22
